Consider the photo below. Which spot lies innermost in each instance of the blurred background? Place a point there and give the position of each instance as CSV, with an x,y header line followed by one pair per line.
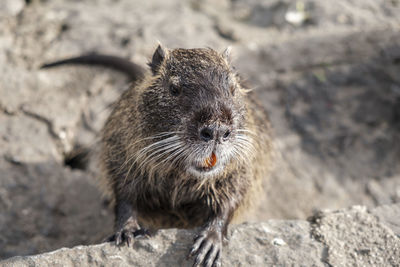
x,y
328,73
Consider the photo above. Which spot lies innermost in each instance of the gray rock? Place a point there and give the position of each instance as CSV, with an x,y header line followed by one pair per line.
x,y
16,136
390,215
342,238
11,7
357,238
44,205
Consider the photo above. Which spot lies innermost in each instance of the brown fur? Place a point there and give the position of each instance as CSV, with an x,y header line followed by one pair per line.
x,y
163,195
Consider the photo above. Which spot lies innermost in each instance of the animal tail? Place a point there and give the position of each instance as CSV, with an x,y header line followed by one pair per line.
x,y
132,70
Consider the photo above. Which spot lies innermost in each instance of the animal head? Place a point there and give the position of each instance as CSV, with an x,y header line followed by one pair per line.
x,y
193,113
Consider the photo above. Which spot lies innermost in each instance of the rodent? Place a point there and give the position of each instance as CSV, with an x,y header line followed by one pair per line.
x,y
184,147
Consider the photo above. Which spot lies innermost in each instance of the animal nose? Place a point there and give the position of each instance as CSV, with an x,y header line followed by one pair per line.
x,y
225,133
207,134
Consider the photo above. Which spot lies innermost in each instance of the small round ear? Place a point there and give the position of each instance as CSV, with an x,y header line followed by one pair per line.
x,y
227,54
158,57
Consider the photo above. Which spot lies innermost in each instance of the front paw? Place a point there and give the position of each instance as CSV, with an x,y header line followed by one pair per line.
x,y
127,233
207,249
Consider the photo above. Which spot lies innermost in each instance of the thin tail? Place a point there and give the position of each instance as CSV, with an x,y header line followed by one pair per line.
x,y
123,65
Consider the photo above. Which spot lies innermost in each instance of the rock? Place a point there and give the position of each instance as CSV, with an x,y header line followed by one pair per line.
x,y
11,7
357,238
342,238
49,206
336,118
390,214
16,136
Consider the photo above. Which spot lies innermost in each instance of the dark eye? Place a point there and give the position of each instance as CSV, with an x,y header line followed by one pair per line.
x,y
175,90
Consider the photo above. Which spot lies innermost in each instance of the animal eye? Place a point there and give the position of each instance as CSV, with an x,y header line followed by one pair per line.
x,y
175,90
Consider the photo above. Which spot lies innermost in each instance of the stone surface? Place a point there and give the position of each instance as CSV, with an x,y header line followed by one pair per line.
x,y
329,82
64,208
352,237
390,214
357,238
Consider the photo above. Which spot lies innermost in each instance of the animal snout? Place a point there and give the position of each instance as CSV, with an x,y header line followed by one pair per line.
x,y
217,133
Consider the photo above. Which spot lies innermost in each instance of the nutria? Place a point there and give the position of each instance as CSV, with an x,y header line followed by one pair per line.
x,y
184,147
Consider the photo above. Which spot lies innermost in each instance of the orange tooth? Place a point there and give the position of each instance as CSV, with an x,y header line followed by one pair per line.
x,y
211,161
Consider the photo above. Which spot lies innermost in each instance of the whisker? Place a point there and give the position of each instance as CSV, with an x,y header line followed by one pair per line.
x,y
158,153
172,155
159,135
169,151
146,153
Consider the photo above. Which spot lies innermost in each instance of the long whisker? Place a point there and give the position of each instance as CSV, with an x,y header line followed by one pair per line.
x,y
245,131
155,150
144,154
155,153
165,152
159,135
245,144
173,154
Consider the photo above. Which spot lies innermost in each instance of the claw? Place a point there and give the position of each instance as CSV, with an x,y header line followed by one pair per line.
x,y
217,261
129,238
203,251
197,244
196,262
118,238
211,256
196,237
127,235
206,249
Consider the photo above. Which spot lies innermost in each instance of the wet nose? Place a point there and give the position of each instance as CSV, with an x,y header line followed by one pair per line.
x,y
210,133
224,134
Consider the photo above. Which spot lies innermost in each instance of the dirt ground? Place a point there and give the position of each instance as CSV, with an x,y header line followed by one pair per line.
x,y
327,72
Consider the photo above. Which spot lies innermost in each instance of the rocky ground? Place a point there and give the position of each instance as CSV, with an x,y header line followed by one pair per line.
x,y
327,72
353,237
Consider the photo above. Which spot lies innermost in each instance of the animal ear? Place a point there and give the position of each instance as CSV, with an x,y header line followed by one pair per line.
x,y
158,57
227,54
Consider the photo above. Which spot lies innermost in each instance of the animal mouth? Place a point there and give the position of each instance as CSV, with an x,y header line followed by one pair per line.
x,y
208,164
